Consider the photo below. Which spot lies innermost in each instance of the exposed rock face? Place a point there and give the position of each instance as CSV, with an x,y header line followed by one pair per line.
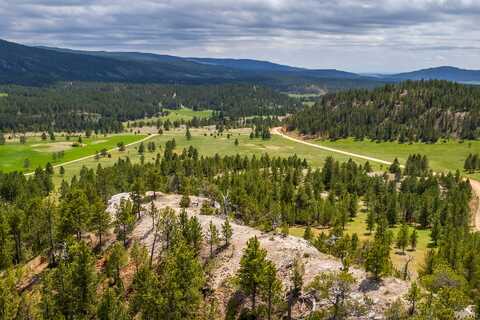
x,y
281,250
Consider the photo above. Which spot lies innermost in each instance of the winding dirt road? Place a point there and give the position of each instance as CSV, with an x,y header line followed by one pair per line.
x,y
474,183
278,131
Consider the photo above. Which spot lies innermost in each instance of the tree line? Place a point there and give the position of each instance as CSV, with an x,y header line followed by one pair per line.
x,y
104,106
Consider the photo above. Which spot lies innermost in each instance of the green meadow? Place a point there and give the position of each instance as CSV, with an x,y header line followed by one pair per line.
x,y
39,152
446,155
208,144
183,113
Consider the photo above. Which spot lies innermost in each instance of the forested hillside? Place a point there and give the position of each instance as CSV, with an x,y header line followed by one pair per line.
x,y
409,111
102,106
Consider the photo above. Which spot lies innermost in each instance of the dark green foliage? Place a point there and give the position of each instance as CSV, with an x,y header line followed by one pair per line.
x,y
408,111
104,106
472,163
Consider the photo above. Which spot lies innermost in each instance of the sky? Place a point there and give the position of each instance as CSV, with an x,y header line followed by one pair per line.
x,y
374,36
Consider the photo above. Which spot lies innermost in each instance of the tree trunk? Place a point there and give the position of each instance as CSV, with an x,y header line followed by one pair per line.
x,y
269,307
100,240
254,297
153,248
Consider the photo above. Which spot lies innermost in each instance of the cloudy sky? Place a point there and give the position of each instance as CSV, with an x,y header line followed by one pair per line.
x,y
353,35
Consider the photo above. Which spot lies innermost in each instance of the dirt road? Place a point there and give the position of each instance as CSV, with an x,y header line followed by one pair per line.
x,y
279,132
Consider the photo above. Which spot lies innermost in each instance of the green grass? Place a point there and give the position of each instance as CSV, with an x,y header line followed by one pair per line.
x,y
187,114
3,95
209,146
442,156
13,154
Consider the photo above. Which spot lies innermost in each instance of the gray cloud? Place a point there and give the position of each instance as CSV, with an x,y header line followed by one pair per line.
x,y
370,35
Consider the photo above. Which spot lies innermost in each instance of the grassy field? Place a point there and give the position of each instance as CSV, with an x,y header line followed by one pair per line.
x,y
39,152
187,114
209,145
442,156
182,114
2,94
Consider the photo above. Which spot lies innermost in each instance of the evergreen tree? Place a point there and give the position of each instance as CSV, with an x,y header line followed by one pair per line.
x,y
212,237
252,270
100,220
181,282
413,239
117,259
125,219
402,237
185,201
112,307
141,148
271,288
227,232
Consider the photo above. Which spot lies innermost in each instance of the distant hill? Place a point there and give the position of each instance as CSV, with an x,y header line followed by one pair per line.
x,y
26,65
21,64
441,73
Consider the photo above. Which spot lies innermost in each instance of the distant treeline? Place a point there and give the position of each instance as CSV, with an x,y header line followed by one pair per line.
x,y
104,106
410,111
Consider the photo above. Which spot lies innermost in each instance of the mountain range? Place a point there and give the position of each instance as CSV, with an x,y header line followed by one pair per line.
x,y
20,64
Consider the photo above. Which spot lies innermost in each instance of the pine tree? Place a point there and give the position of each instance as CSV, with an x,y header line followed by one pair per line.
x,y
402,237
377,260
100,220
181,282
117,259
194,235
185,201
227,232
141,148
125,220
307,234
252,269
413,239
188,135
112,306
271,288
26,163
75,214
212,237
370,220
154,214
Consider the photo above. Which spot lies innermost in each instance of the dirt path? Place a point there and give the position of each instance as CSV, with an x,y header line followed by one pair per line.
x,y
91,156
279,132
476,216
